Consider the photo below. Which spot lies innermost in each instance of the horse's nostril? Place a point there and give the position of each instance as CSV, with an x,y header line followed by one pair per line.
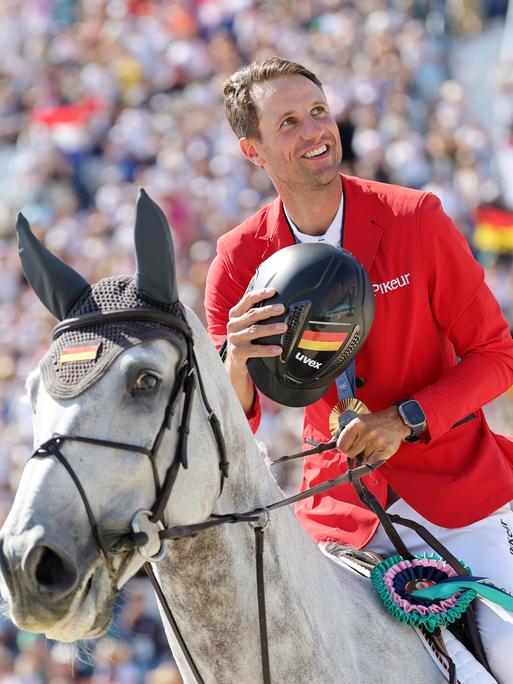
x,y
51,570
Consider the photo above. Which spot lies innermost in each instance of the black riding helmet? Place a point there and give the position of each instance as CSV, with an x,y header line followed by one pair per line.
x,y
329,309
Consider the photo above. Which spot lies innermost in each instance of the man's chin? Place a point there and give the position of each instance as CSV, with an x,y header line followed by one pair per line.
x,y
324,177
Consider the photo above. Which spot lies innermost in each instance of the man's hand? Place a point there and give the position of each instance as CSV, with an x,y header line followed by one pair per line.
x,y
243,327
375,435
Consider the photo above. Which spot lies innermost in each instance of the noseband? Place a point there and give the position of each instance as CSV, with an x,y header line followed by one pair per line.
x,y
185,383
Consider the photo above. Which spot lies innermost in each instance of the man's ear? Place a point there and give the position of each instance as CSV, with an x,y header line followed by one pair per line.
x,y
251,150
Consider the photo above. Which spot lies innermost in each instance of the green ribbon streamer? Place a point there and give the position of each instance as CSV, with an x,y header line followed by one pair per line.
x,y
444,590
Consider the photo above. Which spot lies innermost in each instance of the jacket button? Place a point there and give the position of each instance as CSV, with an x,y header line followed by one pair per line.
x,y
360,382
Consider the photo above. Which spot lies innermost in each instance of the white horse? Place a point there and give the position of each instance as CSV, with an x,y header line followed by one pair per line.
x,y
325,624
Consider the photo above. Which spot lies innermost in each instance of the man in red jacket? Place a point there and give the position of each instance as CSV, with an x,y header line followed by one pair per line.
x,y
438,341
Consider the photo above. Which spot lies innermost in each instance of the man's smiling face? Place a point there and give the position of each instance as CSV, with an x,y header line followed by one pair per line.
x,y
300,143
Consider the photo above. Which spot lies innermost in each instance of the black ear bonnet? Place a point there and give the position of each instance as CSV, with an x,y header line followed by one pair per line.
x,y
78,358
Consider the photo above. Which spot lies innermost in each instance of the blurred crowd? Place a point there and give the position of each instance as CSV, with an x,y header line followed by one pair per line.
x,y
99,97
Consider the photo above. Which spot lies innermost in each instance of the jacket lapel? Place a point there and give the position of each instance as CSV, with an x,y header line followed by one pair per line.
x,y
275,231
362,234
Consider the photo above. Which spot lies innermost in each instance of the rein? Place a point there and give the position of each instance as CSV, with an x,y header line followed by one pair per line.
x,y
258,515
186,381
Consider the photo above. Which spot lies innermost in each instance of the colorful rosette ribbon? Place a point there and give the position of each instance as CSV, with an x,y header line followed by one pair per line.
x,y
395,580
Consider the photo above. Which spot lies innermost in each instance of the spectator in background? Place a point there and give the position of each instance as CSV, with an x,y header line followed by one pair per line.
x,y
7,666
113,663
164,674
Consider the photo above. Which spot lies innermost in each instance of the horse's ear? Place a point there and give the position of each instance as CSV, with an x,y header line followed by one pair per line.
x,y
155,273
56,284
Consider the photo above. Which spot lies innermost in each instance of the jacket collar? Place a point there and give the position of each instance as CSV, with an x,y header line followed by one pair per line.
x,y
362,234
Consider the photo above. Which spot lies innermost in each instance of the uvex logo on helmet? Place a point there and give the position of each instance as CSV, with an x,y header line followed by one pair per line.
x,y
329,308
307,360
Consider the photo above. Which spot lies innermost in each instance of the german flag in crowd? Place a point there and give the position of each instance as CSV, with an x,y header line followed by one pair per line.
x,y
494,230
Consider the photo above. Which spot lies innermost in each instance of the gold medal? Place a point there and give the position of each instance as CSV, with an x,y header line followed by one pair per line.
x,y
349,404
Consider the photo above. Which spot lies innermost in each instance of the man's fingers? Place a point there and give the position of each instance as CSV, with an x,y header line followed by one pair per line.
x,y
248,325
267,350
348,436
261,313
253,332
376,456
358,439
372,447
359,445
247,351
244,327
253,317
250,299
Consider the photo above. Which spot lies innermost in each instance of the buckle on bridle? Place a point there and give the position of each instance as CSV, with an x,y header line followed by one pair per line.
x,y
264,519
137,527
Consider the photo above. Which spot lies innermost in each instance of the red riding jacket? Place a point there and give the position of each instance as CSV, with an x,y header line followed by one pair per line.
x,y
438,336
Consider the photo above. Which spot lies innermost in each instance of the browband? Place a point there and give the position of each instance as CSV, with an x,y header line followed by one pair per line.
x,y
152,315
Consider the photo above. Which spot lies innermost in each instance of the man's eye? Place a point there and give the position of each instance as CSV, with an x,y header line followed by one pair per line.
x,y
145,382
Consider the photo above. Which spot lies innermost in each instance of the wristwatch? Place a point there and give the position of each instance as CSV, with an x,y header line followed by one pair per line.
x,y
413,416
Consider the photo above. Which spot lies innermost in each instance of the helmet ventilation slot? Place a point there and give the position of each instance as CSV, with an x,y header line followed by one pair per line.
x,y
295,318
352,343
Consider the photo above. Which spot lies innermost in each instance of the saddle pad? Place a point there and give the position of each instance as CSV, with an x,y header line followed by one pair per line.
x,y
469,670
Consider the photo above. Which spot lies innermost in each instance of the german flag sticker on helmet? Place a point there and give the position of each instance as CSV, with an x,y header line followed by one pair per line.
x,y
321,341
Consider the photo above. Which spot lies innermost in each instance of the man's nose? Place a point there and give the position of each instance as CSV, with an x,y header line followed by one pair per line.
x,y
312,129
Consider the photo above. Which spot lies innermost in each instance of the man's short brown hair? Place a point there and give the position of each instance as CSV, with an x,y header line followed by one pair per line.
x,y
239,105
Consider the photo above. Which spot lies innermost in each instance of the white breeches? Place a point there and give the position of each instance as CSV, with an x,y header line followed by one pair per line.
x,y
486,547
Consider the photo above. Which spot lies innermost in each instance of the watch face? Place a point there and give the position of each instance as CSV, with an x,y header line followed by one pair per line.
x,y
413,413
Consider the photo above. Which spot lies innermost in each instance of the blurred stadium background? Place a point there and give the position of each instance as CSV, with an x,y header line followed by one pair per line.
x,y
98,97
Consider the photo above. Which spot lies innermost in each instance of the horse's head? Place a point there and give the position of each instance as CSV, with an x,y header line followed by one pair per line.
x,y
113,406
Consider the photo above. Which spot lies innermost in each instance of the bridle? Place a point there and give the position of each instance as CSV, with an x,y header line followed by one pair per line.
x,y
188,377
185,383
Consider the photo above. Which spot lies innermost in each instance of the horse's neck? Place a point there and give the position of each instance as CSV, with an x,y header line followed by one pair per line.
x,y
210,579
323,623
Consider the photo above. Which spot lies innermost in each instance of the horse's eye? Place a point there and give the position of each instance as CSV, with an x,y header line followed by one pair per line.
x,y
145,382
